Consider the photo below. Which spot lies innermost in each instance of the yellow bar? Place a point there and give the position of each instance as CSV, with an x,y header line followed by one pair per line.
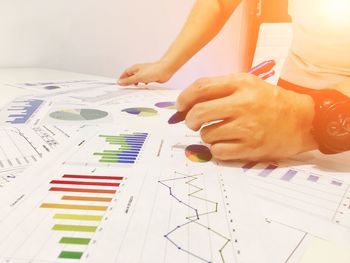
x,y
78,217
75,207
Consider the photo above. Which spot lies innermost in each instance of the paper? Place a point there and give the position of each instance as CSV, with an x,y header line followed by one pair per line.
x,y
118,184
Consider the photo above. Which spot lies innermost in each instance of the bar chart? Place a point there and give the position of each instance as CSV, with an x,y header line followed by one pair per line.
x,y
317,194
20,111
76,216
130,146
110,149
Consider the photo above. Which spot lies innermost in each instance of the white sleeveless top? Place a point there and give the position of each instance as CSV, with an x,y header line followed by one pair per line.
x,y
320,53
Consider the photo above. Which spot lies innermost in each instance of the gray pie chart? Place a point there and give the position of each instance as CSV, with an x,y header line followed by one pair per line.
x,y
78,114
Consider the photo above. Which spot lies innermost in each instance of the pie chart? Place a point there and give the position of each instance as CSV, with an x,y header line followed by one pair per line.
x,y
166,105
198,153
141,112
78,114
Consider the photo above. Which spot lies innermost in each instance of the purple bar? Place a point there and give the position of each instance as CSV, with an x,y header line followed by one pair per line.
x,y
289,175
268,170
249,166
337,183
313,178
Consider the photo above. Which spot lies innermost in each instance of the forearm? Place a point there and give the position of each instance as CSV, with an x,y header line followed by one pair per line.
x,y
205,21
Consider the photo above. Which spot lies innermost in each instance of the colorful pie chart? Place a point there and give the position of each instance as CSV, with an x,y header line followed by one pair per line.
x,y
78,114
198,153
141,112
166,105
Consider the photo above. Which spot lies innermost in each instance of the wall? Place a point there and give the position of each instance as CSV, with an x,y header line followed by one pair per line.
x,y
104,37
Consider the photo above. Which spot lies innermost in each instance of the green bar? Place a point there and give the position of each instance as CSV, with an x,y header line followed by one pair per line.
x,y
108,161
106,154
74,228
70,255
111,136
78,217
75,241
117,141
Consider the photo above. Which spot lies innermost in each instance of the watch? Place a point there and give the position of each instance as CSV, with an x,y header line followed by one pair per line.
x,y
331,125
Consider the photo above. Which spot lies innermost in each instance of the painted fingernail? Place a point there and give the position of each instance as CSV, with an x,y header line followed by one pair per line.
x,y
177,117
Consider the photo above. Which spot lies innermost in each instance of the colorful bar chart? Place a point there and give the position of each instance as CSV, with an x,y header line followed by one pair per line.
x,y
128,149
288,176
22,110
80,207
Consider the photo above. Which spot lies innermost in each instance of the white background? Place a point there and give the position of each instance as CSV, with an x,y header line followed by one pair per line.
x,y
104,37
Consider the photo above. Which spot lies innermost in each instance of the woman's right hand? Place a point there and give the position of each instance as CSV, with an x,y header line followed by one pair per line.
x,y
145,73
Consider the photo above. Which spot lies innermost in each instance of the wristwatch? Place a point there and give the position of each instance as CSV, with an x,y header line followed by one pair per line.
x,y
331,125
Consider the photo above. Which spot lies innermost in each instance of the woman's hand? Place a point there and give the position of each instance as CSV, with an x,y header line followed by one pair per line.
x,y
245,118
145,73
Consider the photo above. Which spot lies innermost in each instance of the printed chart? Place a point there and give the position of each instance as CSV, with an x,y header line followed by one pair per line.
x,y
20,111
316,194
23,146
78,114
141,112
65,219
198,153
166,105
110,149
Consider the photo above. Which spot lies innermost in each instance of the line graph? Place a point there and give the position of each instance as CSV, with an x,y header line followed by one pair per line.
x,y
201,208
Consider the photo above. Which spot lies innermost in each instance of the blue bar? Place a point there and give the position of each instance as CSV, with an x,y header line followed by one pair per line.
x,y
268,170
249,166
313,178
289,175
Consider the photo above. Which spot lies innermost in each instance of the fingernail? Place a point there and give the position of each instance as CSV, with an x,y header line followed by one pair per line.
x,y
120,82
177,117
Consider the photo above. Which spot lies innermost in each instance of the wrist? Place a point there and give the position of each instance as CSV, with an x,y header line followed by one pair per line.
x,y
167,68
306,115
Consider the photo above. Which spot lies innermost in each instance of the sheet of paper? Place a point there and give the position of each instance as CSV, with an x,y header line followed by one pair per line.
x,y
158,207
131,188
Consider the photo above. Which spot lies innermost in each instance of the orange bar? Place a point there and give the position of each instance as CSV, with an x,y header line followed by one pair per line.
x,y
87,198
79,190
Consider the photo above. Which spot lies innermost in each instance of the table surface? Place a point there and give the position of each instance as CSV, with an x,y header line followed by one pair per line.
x,y
273,43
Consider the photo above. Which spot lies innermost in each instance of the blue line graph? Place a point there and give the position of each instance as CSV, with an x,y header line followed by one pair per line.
x,y
194,219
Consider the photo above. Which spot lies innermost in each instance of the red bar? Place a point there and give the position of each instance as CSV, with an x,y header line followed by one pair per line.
x,y
78,190
83,183
93,177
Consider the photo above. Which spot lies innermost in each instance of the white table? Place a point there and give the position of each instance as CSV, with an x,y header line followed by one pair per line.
x,y
273,43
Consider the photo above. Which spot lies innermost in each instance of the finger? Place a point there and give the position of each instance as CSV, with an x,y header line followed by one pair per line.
x,y
124,79
213,110
223,131
211,88
125,74
132,80
230,151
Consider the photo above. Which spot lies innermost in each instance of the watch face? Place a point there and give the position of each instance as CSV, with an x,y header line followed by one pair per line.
x,y
336,127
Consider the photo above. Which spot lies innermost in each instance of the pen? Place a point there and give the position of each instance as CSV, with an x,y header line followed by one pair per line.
x,y
262,70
